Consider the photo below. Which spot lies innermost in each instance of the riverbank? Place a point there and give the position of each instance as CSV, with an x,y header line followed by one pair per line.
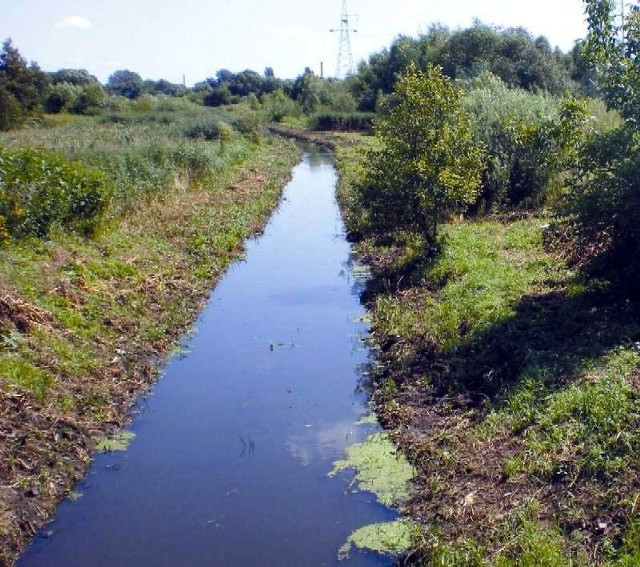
x,y
512,386
85,324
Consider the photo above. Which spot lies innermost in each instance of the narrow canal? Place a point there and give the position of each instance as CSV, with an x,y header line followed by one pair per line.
x,y
232,448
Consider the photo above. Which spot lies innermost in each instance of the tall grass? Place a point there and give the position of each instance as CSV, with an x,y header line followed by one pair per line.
x,y
144,153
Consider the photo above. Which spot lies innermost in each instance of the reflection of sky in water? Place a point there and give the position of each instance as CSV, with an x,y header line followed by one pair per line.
x,y
323,442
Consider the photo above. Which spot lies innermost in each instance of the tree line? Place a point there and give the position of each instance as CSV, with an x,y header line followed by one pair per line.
x,y
513,55
483,145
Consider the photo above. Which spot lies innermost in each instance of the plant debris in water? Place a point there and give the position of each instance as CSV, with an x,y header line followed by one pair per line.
x,y
379,469
387,537
118,442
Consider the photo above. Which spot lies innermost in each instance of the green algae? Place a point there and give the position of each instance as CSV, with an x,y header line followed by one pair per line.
x,y
379,469
118,442
388,538
369,419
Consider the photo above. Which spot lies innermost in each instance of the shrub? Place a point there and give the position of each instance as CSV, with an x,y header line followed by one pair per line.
x,y
343,121
39,190
514,125
209,128
603,207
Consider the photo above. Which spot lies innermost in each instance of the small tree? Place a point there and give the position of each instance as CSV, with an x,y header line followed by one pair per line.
x,y
428,166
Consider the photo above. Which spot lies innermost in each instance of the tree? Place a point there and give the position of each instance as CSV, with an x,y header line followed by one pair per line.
x,y
23,87
428,166
75,77
126,83
617,60
603,207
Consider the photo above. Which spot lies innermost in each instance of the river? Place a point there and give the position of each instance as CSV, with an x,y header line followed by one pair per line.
x,y
233,445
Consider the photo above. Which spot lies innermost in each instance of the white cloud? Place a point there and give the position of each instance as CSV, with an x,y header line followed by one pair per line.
x,y
74,22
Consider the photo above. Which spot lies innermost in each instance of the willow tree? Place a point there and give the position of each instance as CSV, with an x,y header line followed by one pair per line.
x,y
427,166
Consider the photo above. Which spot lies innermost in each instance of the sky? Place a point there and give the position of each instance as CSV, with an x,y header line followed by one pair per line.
x,y
172,39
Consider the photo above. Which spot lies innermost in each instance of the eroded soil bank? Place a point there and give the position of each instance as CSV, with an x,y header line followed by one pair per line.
x,y
86,324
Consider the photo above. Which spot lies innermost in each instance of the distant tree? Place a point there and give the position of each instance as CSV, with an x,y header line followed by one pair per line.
x,y
126,83
164,87
217,96
76,77
306,90
511,54
428,165
60,97
89,99
11,115
24,87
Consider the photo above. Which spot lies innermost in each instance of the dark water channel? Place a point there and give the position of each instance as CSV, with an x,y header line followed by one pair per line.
x,y
232,449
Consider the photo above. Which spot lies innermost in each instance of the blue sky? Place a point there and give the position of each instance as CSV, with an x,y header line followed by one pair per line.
x,y
171,38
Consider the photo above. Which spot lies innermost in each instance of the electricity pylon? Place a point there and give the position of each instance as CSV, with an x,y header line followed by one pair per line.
x,y
344,66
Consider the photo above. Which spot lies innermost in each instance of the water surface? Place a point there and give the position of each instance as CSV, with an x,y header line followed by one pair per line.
x,y
232,449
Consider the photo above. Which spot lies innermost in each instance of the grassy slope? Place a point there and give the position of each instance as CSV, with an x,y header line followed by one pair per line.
x,y
513,387
84,324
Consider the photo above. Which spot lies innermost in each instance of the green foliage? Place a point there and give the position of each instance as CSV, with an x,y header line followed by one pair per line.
x,y
616,59
278,106
512,54
22,88
343,121
126,83
11,115
207,128
217,96
531,140
603,206
428,165
39,190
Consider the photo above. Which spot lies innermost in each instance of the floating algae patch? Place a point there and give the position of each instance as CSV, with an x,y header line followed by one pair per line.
x,y
379,469
118,442
388,538
369,419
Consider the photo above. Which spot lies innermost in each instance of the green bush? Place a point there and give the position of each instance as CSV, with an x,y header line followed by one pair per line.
x,y
207,128
39,190
516,128
603,206
343,121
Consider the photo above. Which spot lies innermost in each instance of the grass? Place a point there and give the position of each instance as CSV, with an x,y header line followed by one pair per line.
x,y
86,322
512,385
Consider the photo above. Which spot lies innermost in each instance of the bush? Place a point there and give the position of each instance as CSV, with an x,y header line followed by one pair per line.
x,y
514,125
207,129
603,207
343,121
39,190
10,111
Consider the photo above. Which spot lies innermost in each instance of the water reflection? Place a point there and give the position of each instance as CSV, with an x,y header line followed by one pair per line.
x,y
322,442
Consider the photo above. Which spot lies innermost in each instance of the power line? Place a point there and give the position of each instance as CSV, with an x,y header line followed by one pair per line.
x,y
344,65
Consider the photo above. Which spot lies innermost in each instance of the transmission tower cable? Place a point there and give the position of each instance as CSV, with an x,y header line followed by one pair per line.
x,y
344,65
